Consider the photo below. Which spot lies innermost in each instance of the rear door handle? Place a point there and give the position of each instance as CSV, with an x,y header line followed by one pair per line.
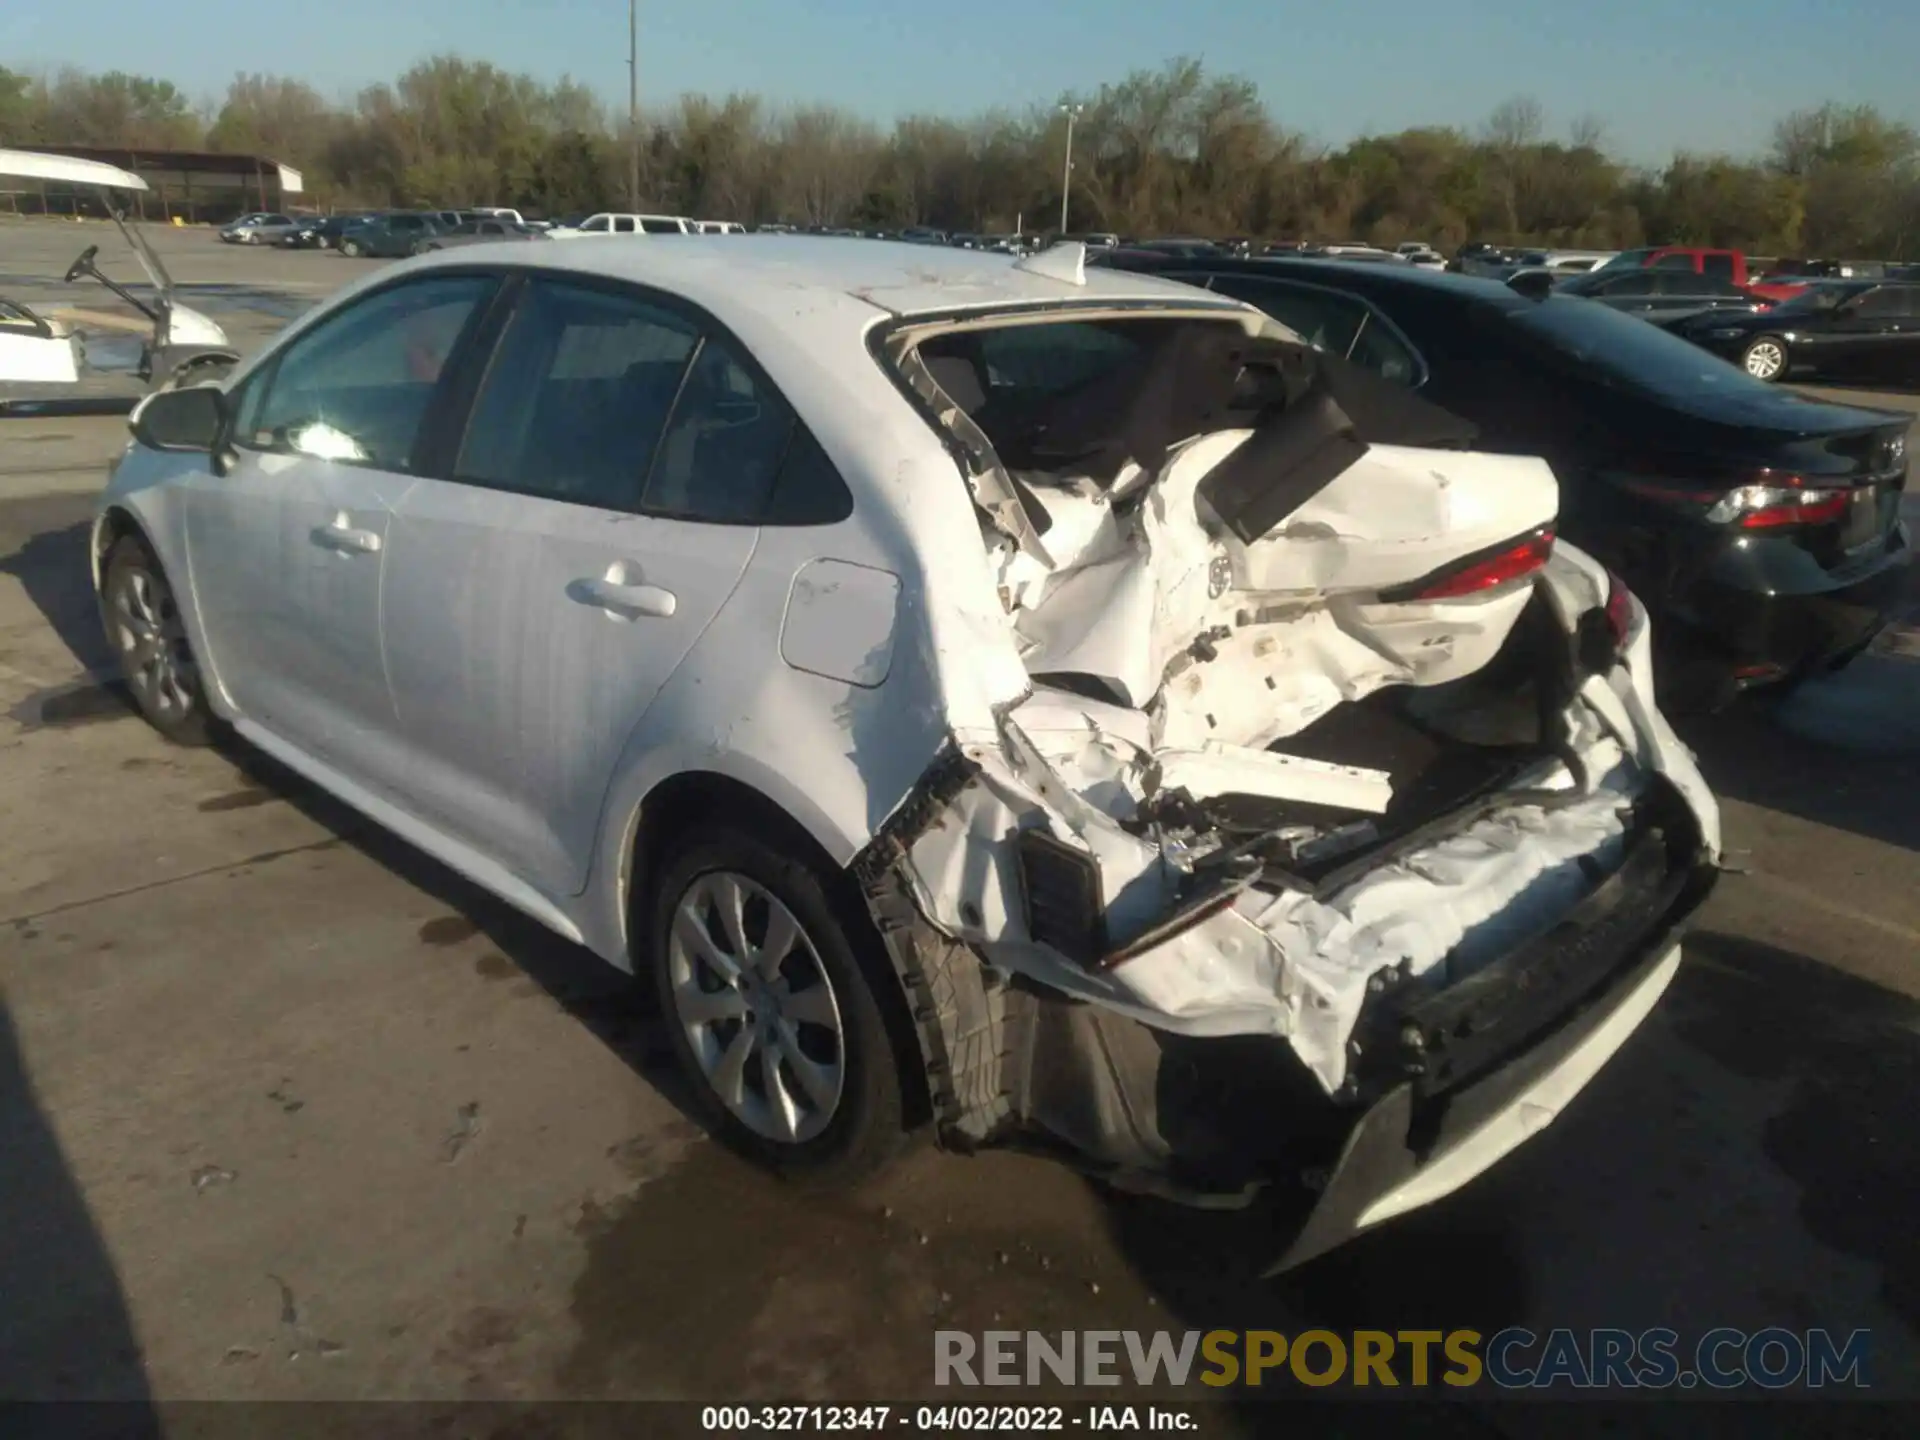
x,y
341,535
627,601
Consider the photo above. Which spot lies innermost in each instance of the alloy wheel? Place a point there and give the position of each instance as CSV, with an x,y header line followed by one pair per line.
x,y
1765,359
758,1009
152,643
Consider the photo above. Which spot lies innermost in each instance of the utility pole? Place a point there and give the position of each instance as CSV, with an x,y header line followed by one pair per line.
x,y
633,105
1072,112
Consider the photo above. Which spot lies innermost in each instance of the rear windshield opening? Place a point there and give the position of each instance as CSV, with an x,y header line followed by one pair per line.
x,y
1049,396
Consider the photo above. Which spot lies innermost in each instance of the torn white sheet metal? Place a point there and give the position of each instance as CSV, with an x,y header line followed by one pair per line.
x,y
1279,963
1399,514
1216,769
1290,618
1213,651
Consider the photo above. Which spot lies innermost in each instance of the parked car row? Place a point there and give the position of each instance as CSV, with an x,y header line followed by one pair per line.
x,y
1760,527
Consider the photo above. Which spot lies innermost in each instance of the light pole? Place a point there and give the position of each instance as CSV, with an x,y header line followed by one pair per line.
x,y
1072,112
633,105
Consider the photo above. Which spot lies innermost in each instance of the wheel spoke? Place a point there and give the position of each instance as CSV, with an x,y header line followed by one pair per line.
x,y
782,931
731,901
786,1115
729,1076
703,1007
690,929
811,1006
814,1077
140,587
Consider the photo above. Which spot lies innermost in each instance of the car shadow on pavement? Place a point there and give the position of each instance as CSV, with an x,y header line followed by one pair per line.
x,y
52,568
1841,751
1757,1129
65,1333
615,1008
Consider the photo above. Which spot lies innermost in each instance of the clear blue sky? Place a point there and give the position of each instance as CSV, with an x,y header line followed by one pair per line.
x,y
1709,76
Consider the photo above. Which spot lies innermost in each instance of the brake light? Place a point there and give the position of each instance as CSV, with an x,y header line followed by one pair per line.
x,y
1487,572
1771,501
1619,611
1767,507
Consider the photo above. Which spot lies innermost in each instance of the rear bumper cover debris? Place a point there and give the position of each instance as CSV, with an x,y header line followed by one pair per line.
x,y
1444,1080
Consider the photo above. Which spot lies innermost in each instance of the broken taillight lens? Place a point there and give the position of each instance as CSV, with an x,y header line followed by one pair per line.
x,y
1766,507
1487,571
1773,500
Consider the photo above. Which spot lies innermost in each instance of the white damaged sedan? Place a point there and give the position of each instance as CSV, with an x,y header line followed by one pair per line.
x,y
1047,706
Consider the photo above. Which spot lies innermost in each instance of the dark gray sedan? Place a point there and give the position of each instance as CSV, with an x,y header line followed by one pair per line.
x,y
1662,296
479,232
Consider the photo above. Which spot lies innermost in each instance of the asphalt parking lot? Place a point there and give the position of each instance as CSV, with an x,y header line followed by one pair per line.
x,y
289,1111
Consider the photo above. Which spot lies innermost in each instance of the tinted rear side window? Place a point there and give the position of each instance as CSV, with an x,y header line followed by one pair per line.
x,y
1881,304
577,396
1319,317
724,446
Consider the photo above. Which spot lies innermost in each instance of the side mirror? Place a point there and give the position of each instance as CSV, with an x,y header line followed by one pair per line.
x,y
191,420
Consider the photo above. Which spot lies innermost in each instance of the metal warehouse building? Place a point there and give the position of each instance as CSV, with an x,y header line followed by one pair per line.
x,y
187,184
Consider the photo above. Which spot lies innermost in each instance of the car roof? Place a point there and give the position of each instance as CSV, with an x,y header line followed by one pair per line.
x,y
904,280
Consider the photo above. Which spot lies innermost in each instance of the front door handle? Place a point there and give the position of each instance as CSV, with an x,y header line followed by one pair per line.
x,y
625,601
342,535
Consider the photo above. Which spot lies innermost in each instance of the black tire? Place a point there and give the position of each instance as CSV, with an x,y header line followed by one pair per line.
x,y
867,1124
1758,352
143,625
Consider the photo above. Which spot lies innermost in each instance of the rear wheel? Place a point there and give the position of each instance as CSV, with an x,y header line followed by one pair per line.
x,y
1765,358
149,638
771,1009
350,249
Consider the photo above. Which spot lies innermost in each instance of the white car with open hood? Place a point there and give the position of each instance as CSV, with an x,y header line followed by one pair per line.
x,y
1053,706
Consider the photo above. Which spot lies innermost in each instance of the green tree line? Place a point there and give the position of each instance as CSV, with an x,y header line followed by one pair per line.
x,y
1169,151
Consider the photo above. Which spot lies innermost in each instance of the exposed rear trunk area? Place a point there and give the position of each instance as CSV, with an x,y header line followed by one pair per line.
x,y
1304,717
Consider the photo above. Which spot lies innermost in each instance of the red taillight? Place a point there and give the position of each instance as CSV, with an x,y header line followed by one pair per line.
x,y
1772,501
1765,507
1485,572
1619,611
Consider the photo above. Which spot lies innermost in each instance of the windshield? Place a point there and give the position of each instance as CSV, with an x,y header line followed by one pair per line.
x,y
1626,351
1628,260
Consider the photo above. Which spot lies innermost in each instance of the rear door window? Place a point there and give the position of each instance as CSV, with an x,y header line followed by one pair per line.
x,y
662,227
1883,303
1629,286
1717,267
577,396
1320,317
724,445
1352,328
